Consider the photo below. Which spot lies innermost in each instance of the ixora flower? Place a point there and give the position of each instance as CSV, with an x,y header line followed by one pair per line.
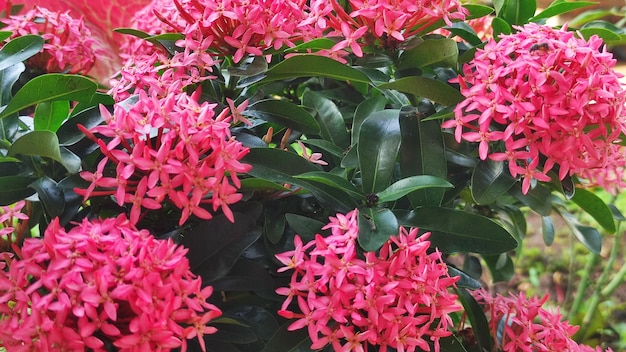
x,y
13,224
397,298
69,45
101,282
520,323
551,100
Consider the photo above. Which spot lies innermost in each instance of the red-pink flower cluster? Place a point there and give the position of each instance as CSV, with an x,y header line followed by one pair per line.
x,y
69,45
101,282
521,324
397,298
544,93
11,219
382,23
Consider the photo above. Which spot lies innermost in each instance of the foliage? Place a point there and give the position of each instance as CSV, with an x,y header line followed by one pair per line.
x,y
238,134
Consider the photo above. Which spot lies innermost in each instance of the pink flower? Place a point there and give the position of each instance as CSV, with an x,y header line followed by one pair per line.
x,y
69,46
315,158
543,93
397,298
102,281
13,225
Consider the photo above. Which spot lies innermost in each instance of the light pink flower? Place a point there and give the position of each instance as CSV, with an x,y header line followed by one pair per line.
x,y
102,281
547,94
397,298
13,225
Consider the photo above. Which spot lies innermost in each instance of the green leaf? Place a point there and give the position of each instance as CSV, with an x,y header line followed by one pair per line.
x,y
409,184
465,280
254,184
500,26
49,115
459,231
559,8
588,236
451,344
422,151
69,133
287,341
589,15
315,44
465,31
425,87
304,225
595,206
96,100
477,318
490,180
329,197
50,195
363,110
20,49
51,87
15,188
501,267
605,30
547,229
429,53
4,35
285,114
334,181
314,66
277,165
257,66
331,122
375,228
8,77
326,146
70,161
538,198
379,142
134,32
518,11
37,143
478,11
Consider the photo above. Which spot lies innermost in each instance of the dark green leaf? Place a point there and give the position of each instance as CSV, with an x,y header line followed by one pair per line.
x,y
37,143
477,318
245,276
490,180
559,8
254,184
602,29
409,184
501,267
20,49
363,110
465,31
377,150
15,188
477,11
96,100
374,60
430,52
314,66
617,214
325,145
595,206
69,133
51,87
588,236
425,87
134,32
315,44
8,76
257,66
261,321
277,165
334,181
500,26
422,151
329,197
375,228
333,127
50,195
460,231
451,344
287,341
285,114
49,115
70,161
547,229
538,198
518,11
465,280
304,225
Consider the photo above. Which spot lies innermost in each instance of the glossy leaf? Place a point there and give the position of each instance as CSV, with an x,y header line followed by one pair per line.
x,y
70,161
131,31
425,87
538,198
277,165
490,180
8,77
594,206
451,344
465,31
328,146
314,66
257,66
547,230
428,53
51,87
69,133
602,29
260,320
375,227
20,49
377,150
315,44
422,151
285,114
477,318
304,225
331,123
96,100
37,143
50,195
500,26
459,231
560,7
49,115
15,188
363,110
333,181
501,267
477,10
517,12
329,197
588,236
465,280
288,341
409,184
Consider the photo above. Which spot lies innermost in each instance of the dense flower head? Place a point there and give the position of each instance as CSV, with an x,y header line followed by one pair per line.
x,y
13,223
101,282
551,100
69,45
381,23
397,298
521,324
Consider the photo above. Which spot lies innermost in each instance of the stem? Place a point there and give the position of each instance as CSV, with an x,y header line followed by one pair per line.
x,y
584,283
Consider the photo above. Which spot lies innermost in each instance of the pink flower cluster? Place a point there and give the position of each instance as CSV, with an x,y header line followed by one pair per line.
x,y
12,221
521,324
544,93
102,281
398,298
69,45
